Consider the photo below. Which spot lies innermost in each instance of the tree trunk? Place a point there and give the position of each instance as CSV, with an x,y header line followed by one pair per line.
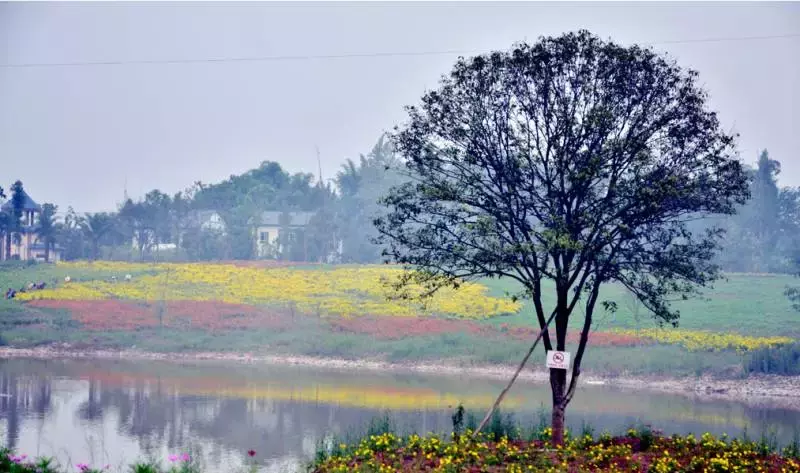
x,y
558,378
46,251
558,383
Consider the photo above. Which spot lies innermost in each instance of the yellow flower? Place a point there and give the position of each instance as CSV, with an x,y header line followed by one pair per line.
x,y
342,291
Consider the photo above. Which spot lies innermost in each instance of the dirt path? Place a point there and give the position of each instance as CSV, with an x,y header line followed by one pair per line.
x,y
777,391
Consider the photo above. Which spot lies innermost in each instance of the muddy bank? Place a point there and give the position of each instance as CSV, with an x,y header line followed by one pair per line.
x,y
779,391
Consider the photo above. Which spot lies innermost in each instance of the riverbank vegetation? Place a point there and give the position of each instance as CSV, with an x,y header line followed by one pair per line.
x,y
341,312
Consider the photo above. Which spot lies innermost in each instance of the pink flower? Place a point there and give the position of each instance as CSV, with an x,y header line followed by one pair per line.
x,y
185,457
173,458
82,467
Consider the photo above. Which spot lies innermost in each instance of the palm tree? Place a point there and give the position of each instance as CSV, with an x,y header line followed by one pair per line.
x,y
47,229
95,226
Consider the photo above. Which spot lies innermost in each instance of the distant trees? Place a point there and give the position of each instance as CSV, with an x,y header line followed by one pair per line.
x,y
47,228
96,226
760,236
361,186
575,160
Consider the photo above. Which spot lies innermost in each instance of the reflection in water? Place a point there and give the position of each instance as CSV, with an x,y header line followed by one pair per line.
x,y
114,412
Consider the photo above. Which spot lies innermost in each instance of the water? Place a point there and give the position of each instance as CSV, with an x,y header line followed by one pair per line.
x,y
115,412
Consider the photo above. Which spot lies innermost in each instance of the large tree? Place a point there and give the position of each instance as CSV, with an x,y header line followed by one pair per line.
x,y
573,159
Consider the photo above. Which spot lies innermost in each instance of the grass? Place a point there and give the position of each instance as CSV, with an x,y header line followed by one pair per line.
x,y
745,303
748,304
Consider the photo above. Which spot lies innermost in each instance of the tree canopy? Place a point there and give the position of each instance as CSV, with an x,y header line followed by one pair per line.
x,y
572,159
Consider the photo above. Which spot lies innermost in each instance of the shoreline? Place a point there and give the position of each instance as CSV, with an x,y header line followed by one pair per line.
x,y
760,390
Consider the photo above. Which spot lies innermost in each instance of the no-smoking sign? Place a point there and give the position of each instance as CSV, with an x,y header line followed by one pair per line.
x,y
558,360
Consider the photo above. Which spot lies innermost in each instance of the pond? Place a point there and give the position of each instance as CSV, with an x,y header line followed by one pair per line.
x,y
109,412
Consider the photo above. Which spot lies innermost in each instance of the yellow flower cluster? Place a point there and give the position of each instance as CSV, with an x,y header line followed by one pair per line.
x,y
345,291
634,452
707,341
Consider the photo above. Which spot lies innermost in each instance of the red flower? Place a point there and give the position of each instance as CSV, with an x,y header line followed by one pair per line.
x,y
251,453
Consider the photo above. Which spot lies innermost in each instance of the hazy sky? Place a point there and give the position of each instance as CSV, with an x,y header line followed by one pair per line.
x,y
74,135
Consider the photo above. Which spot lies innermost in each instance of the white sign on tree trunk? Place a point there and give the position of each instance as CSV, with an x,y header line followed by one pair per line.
x,y
558,360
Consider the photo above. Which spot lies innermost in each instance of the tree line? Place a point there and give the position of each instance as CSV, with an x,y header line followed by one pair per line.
x,y
761,237
342,209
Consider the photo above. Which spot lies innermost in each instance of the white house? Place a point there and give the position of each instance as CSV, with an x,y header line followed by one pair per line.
x,y
207,220
269,227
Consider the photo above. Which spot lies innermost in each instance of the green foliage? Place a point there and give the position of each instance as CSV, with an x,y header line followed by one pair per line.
x,y
792,450
502,426
782,360
11,463
381,425
203,244
148,467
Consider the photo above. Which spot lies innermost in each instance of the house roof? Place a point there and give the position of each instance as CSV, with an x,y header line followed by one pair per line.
x,y
296,219
29,204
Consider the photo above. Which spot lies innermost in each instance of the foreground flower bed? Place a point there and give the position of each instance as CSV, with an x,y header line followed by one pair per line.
x,y
634,452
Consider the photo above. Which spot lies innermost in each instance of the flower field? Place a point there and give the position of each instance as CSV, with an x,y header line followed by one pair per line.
x,y
341,300
634,452
347,291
